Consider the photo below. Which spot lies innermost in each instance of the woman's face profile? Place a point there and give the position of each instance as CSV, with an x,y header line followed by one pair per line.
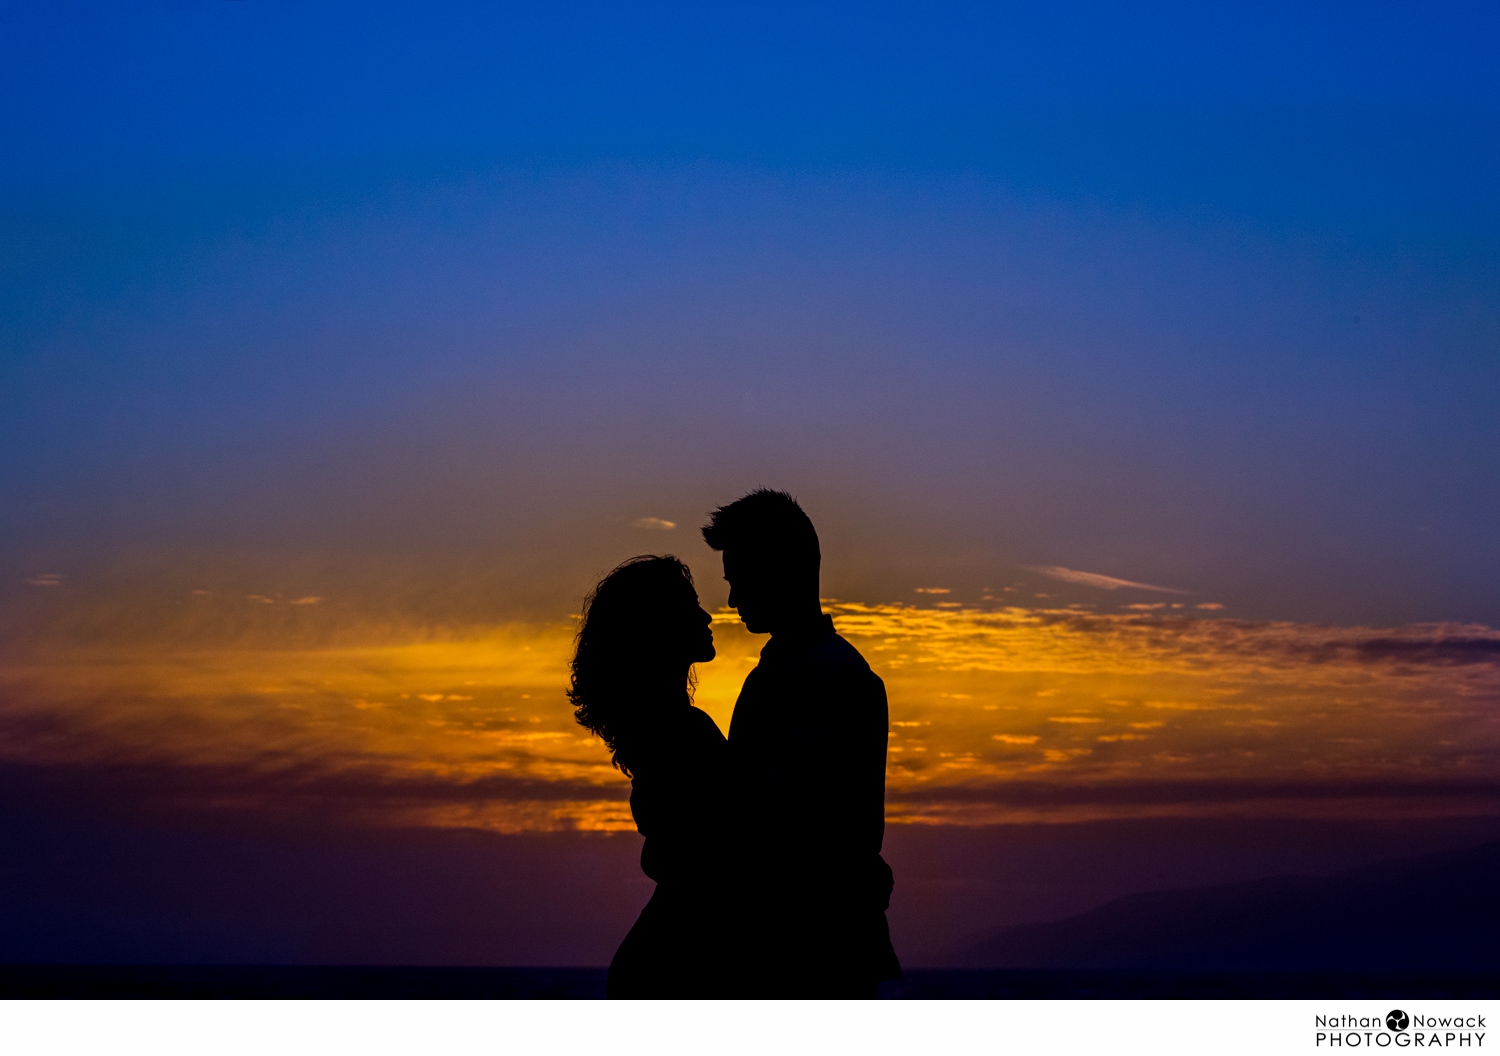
x,y
698,635
686,633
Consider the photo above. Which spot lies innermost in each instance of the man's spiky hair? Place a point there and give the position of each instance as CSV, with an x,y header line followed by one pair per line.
x,y
766,524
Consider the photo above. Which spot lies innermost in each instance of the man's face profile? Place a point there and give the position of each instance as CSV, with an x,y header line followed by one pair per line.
x,y
751,591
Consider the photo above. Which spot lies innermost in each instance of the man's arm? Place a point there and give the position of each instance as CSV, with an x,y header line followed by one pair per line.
x,y
844,773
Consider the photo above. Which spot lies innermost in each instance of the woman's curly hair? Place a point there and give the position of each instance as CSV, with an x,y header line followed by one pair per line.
x,y
624,644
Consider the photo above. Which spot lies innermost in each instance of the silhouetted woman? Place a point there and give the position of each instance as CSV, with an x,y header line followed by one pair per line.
x,y
642,631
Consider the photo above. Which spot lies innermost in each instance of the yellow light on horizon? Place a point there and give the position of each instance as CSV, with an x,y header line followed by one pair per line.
x,y
998,715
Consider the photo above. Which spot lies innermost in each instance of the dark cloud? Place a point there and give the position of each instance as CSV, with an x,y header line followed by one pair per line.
x,y
1442,651
1189,793
1432,649
280,788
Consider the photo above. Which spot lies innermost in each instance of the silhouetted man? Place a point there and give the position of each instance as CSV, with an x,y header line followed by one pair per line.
x,y
807,745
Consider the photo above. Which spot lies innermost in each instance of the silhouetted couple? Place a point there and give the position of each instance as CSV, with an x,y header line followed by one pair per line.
x,y
765,848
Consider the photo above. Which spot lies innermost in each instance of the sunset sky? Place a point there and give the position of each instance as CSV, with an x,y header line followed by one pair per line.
x,y
1138,364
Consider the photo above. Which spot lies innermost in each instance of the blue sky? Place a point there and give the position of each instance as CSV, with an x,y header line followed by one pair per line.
x,y
1202,297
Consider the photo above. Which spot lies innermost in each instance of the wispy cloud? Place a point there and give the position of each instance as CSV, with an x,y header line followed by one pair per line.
x,y
654,524
44,579
1094,579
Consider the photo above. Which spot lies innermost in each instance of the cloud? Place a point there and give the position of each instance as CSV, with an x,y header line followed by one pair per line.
x,y
932,590
1094,579
473,729
45,579
311,599
1222,700
290,788
1442,651
654,524
260,598
1436,649
426,732
1036,792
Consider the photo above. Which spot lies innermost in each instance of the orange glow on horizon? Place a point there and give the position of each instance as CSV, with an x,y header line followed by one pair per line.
x,y
1002,715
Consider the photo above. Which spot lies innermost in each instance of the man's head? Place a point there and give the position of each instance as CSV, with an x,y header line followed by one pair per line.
x,y
771,559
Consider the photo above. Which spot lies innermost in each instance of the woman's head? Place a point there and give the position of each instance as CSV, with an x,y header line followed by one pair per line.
x,y
642,631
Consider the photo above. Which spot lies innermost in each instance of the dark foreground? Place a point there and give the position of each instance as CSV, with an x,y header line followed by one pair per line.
x,y
256,981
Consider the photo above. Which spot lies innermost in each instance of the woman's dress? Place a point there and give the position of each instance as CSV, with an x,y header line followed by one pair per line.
x,y
679,799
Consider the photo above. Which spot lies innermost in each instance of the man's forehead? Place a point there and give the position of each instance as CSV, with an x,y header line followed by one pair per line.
x,y
747,562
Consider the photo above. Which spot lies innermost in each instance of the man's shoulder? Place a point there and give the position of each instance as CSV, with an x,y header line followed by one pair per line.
x,y
835,657
836,649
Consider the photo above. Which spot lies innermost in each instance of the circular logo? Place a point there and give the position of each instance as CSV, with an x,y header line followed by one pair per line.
x,y
1397,1020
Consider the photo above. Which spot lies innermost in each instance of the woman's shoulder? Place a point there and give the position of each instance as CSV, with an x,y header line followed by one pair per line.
x,y
684,739
700,726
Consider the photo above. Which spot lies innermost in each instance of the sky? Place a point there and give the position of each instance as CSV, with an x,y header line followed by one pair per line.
x,y
1137,364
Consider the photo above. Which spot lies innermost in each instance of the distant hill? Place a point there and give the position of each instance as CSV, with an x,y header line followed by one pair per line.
x,y
1436,913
